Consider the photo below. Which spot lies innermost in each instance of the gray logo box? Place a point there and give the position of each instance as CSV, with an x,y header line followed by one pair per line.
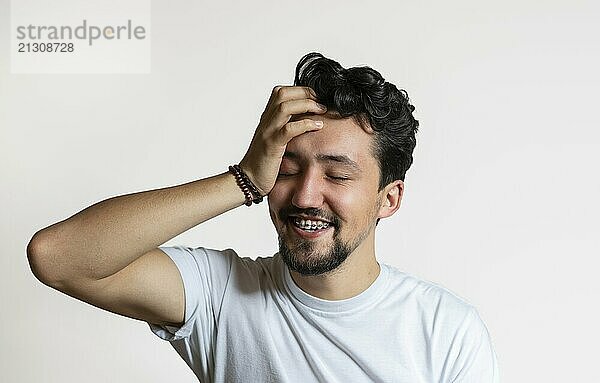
x,y
69,36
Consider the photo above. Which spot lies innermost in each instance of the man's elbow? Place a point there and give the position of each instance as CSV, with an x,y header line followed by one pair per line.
x,y
38,256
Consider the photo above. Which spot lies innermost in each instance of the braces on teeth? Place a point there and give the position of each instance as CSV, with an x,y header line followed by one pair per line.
x,y
310,225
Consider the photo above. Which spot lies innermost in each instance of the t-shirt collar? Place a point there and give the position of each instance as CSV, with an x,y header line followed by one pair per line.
x,y
356,303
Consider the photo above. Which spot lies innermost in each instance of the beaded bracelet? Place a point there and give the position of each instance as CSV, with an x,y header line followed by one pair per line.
x,y
248,188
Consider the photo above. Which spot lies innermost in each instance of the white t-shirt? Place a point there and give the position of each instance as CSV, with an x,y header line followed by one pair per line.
x,y
247,321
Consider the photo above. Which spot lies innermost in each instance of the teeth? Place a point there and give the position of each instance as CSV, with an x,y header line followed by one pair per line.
x,y
310,225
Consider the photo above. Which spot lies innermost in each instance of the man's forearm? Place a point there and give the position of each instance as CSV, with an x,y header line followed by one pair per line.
x,y
107,236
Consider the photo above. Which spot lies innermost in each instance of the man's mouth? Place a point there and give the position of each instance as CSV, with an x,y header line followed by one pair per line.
x,y
310,225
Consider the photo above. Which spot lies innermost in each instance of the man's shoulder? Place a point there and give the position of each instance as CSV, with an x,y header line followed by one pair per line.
x,y
427,295
243,265
228,254
222,265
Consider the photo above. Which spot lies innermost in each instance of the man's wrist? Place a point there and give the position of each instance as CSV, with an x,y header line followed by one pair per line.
x,y
251,192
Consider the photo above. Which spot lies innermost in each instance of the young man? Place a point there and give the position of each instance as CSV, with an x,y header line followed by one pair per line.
x,y
330,153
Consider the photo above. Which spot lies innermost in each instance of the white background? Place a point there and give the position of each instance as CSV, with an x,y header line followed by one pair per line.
x,y
500,204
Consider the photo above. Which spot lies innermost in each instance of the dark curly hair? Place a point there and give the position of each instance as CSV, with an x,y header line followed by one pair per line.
x,y
361,92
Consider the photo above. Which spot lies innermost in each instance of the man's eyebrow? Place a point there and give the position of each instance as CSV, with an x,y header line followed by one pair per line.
x,y
338,158
341,159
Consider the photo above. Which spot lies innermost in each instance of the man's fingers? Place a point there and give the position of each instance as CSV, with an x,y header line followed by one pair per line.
x,y
286,109
296,128
283,93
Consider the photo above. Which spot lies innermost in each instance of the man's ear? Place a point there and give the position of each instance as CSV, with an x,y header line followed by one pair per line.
x,y
392,196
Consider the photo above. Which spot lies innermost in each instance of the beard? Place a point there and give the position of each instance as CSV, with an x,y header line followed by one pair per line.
x,y
305,260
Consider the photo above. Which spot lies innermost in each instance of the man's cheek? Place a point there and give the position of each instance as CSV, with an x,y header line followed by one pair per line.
x,y
276,196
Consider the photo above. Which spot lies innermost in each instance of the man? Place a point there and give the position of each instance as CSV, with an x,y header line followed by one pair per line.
x,y
330,153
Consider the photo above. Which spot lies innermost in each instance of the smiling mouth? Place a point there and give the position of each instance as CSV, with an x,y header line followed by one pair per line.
x,y
309,226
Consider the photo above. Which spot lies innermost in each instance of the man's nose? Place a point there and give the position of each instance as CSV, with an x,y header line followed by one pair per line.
x,y
308,191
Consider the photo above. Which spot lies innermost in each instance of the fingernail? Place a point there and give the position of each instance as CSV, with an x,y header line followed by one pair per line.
x,y
321,106
319,124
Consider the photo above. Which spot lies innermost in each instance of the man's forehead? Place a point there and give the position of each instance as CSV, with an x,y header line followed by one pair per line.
x,y
333,118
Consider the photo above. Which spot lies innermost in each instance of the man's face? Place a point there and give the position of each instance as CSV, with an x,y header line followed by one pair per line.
x,y
330,176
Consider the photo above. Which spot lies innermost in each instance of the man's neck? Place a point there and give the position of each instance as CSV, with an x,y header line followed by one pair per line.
x,y
354,276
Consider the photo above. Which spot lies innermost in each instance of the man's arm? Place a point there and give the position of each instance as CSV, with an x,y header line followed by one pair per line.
x,y
107,236
107,253
107,256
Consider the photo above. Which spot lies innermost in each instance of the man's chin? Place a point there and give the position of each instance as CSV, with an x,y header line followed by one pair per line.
x,y
306,260
302,248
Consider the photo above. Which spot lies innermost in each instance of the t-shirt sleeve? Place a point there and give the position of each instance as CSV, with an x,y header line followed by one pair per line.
x,y
476,360
205,273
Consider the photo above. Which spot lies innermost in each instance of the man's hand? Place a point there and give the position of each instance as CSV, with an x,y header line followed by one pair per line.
x,y
263,158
